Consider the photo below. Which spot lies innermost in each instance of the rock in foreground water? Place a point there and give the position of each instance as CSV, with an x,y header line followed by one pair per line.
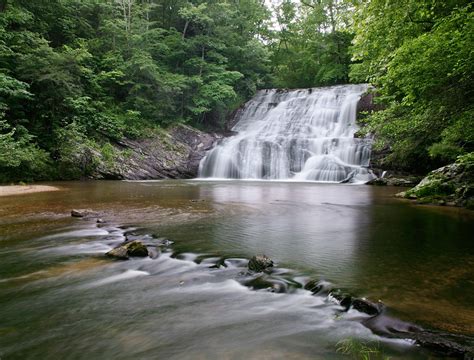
x,y
128,249
118,253
319,287
260,263
360,304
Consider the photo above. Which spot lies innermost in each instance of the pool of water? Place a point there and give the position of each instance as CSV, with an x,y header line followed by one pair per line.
x,y
60,297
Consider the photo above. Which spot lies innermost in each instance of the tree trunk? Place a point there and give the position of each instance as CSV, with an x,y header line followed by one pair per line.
x,y
331,16
130,15
185,28
202,58
3,5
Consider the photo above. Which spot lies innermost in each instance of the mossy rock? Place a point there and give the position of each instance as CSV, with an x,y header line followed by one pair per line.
x,y
260,263
434,188
450,184
129,249
118,253
136,248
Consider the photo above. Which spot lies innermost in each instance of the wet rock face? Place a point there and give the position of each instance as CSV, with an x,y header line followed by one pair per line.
x,y
128,249
395,180
319,287
367,306
367,103
268,284
260,263
360,304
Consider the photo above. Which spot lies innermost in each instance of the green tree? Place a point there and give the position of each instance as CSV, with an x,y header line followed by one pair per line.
x,y
419,56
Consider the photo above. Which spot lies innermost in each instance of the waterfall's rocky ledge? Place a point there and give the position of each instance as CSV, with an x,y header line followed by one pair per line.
x,y
175,154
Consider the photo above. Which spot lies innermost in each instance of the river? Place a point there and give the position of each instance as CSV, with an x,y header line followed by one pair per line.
x,y
60,297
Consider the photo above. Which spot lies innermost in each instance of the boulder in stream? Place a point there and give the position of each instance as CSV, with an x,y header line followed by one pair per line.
x,y
119,252
267,283
367,307
319,287
260,263
360,304
129,249
83,213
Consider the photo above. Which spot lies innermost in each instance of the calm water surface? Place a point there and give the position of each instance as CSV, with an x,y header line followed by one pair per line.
x,y
61,298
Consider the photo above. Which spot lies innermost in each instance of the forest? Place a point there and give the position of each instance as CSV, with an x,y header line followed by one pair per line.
x,y
78,74
236,179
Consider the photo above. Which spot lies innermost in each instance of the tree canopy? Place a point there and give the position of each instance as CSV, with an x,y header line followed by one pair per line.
x,y
419,55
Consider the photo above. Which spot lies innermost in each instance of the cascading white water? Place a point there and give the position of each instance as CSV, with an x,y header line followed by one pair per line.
x,y
305,134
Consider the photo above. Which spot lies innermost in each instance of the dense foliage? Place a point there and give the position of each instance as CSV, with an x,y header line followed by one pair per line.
x,y
419,55
77,75
311,45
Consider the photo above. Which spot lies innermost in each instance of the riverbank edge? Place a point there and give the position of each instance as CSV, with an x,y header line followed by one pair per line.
x,y
10,190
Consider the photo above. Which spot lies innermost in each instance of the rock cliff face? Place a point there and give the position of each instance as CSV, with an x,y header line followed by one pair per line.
x,y
174,154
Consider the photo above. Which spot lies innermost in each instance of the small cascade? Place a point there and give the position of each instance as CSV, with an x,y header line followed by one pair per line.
x,y
303,135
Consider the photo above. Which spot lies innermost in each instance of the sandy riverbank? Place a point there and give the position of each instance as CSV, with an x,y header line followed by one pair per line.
x,y
25,189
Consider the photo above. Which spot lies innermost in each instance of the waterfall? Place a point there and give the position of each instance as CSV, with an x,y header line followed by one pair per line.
x,y
305,134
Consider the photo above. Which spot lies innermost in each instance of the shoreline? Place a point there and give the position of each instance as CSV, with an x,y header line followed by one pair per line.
x,y
10,190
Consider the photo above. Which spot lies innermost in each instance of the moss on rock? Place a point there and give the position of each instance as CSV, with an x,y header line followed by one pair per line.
x,y
450,184
129,249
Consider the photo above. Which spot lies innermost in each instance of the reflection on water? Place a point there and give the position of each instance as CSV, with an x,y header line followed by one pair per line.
x,y
58,295
301,223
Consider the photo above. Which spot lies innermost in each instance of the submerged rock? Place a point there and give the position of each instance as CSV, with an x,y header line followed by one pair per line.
x,y
389,326
344,300
218,264
128,249
267,283
319,287
260,263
